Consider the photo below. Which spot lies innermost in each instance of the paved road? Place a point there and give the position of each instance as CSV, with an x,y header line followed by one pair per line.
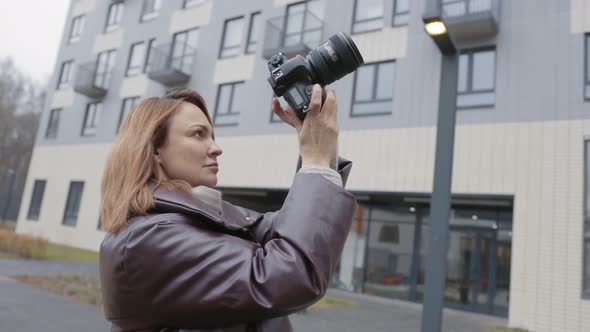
x,y
24,308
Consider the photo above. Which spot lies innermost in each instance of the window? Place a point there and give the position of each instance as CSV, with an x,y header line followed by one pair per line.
x,y
476,86
192,3
231,43
453,8
91,119
389,234
126,107
586,236
76,28
184,49
104,68
136,62
36,200
401,12
226,111
368,15
373,89
150,9
114,17
304,23
587,79
65,74
73,203
53,123
253,31
149,56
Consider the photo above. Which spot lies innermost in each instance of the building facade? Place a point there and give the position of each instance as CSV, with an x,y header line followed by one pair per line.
x,y
519,241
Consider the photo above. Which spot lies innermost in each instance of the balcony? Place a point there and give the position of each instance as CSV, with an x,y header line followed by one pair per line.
x,y
92,80
471,19
292,35
171,64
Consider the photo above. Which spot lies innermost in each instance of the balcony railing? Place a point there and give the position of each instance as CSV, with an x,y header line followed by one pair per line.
x,y
91,80
292,35
470,19
171,64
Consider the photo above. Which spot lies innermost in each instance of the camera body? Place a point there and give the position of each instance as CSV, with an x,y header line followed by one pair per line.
x,y
293,79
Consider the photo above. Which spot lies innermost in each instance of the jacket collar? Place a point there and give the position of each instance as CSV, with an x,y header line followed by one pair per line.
x,y
178,201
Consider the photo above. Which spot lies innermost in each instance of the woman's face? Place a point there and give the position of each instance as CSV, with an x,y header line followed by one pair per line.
x,y
190,152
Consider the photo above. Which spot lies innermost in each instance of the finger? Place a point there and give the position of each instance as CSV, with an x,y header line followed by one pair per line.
x,y
315,104
286,114
295,121
330,109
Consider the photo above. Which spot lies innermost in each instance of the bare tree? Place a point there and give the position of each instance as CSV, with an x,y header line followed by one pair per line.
x,y
21,103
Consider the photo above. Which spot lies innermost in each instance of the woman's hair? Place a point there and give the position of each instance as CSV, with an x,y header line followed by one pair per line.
x,y
132,172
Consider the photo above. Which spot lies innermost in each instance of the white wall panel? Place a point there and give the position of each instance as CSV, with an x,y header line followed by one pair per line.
x,y
109,41
62,98
83,7
580,16
385,44
234,69
190,18
134,86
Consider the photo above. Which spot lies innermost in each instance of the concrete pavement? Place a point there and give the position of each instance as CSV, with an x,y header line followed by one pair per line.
x,y
25,308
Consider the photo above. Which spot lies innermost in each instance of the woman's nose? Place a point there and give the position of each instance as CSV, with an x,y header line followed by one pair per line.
x,y
215,150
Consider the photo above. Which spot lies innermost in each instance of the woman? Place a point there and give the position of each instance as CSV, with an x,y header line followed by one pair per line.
x,y
177,257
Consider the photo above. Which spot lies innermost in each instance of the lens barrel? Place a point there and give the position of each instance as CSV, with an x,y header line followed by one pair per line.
x,y
334,59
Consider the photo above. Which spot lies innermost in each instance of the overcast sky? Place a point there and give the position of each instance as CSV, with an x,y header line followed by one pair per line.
x,y
30,32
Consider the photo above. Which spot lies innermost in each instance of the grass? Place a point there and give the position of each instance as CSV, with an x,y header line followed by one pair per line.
x,y
14,245
507,329
5,255
330,302
56,252
81,289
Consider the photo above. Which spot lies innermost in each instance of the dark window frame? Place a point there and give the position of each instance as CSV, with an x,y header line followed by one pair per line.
x,y
154,12
222,46
586,223
53,123
469,88
71,208
36,201
76,28
141,67
373,92
355,21
586,65
148,54
230,104
124,110
396,13
98,108
118,17
105,73
249,42
64,80
186,58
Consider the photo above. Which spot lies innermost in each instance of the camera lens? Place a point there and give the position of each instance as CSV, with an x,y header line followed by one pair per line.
x,y
334,59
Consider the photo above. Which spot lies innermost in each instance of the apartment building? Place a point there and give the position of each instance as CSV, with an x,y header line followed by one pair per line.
x,y
519,241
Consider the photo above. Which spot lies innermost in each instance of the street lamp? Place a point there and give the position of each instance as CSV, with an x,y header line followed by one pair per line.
x,y
436,261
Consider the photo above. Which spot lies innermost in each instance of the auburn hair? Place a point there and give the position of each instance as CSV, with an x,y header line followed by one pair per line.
x,y
132,172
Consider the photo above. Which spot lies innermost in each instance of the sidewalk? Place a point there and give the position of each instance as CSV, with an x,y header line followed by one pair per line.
x,y
25,308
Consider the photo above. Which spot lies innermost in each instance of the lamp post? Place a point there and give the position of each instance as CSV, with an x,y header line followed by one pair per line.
x,y
436,261
12,175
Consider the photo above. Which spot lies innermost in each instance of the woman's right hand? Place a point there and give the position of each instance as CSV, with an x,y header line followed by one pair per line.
x,y
318,133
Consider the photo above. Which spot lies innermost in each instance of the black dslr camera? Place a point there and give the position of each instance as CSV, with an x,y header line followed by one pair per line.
x,y
294,78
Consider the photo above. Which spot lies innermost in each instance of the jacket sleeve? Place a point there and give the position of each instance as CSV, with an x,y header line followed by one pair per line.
x,y
199,278
261,229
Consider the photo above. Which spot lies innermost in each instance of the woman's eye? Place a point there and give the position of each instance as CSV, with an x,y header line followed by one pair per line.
x,y
199,133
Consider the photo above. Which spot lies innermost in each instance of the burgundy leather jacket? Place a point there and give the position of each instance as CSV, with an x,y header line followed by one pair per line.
x,y
186,267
